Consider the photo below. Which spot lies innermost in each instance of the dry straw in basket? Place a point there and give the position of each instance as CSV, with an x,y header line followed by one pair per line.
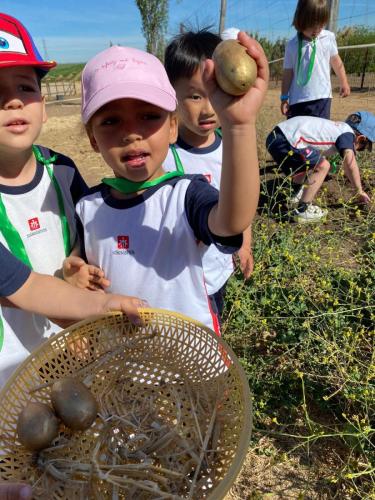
x,y
174,417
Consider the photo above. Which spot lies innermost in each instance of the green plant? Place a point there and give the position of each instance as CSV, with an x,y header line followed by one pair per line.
x,y
303,327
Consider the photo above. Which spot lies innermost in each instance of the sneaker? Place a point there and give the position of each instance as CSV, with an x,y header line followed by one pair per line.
x,y
295,199
311,213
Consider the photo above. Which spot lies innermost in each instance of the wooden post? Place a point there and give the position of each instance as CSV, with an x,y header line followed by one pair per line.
x,y
364,69
333,14
223,9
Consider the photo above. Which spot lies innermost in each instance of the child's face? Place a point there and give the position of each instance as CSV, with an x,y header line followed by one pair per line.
x,y
313,32
361,143
133,137
22,109
196,117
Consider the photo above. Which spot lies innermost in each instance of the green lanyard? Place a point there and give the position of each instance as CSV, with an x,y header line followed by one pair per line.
x,y
10,233
1,334
128,187
300,81
177,160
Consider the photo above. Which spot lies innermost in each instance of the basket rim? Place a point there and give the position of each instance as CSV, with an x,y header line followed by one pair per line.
x,y
224,486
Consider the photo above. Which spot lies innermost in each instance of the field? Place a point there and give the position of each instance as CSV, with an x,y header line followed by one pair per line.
x,y
66,72
303,326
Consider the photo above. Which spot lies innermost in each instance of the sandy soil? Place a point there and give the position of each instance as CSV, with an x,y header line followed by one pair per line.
x,y
64,132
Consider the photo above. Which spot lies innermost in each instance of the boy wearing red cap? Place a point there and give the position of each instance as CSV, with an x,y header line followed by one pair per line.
x,y
148,229
38,187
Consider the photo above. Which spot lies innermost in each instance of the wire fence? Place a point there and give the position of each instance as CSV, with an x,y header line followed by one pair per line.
x,y
60,90
359,62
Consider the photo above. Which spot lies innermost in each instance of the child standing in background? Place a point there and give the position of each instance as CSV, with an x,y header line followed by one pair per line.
x,y
144,227
306,84
38,188
198,149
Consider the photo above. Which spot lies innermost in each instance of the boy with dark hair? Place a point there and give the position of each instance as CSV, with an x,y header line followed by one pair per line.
x,y
302,143
198,149
38,188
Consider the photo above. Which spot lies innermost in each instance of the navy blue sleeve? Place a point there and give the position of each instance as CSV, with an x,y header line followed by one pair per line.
x,y
14,273
199,200
345,141
78,187
81,238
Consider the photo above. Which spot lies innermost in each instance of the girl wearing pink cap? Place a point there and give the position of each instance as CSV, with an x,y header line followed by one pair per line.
x,y
148,229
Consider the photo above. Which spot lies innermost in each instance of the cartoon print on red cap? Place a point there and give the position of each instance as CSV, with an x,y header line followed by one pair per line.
x,y
10,43
17,47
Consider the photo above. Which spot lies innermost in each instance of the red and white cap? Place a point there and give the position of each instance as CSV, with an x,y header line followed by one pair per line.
x,y
17,47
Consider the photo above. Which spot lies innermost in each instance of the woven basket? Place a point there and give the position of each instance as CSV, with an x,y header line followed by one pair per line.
x,y
174,415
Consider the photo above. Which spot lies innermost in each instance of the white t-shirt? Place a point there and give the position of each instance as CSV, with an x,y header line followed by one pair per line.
x,y
318,133
319,85
34,211
151,246
218,266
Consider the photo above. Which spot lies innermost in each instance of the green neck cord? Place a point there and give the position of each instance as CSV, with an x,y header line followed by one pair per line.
x,y
300,81
1,334
129,187
10,233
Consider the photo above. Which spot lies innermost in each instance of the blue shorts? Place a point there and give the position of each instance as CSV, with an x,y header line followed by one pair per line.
x,y
291,160
320,108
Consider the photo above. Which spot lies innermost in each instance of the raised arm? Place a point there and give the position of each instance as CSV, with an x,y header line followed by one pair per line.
x,y
239,187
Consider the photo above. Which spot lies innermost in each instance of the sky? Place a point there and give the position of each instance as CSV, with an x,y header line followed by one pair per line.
x,y
73,31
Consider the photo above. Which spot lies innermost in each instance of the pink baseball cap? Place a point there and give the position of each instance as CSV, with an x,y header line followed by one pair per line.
x,y
120,72
17,47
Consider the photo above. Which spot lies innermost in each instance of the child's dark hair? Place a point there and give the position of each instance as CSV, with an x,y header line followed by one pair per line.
x,y
39,75
186,51
310,13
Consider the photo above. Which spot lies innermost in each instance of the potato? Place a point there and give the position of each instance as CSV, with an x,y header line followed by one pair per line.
x,y
37,426
235,70
74,403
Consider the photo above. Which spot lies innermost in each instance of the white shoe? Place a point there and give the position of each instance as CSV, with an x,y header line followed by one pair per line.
x,y
312,213
295,199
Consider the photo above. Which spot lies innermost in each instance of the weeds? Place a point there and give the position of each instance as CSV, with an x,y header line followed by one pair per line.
x,y
303,327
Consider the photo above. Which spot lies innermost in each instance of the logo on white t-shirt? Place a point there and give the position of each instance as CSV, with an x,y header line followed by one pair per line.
x,y
35,227
34,224
122,242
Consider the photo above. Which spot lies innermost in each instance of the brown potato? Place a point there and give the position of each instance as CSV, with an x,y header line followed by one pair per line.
x,y
37,426
235,70
74,403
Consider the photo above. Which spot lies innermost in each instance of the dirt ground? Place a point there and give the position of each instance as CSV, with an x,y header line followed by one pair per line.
x,y
264,474
64,132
